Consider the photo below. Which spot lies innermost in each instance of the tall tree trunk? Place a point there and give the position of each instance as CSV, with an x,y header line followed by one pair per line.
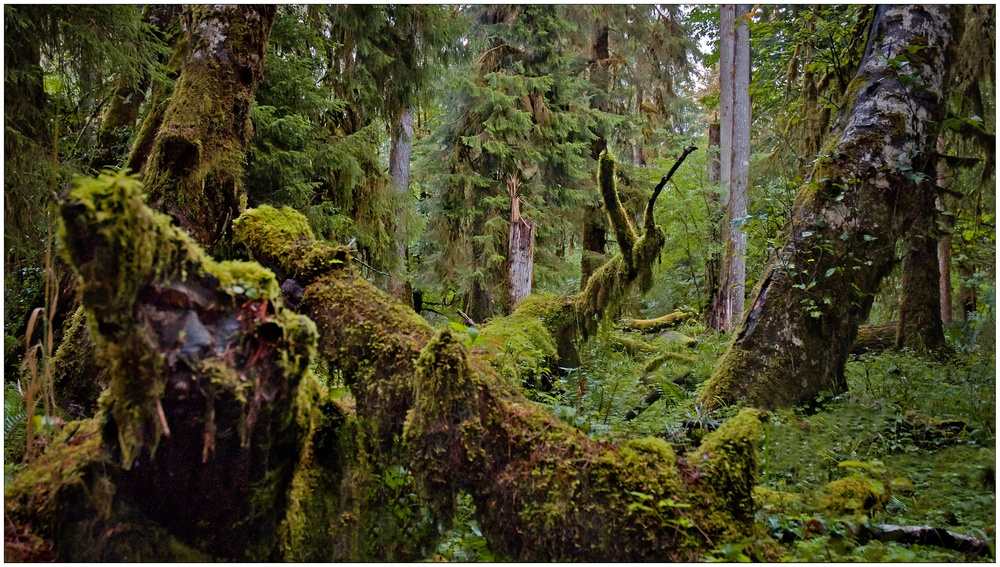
x,y
739,172
521,248
727,54
944,263
920,303
195,167
399,168
820,284
734,117
714,267
947,222
595,222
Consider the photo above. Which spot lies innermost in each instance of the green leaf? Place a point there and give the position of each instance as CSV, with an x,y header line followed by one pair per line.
x,y
830,272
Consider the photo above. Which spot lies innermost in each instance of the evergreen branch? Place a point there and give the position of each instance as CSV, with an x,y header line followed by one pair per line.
x,y
659,187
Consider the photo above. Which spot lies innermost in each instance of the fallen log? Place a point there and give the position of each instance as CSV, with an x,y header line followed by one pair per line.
x,y
660,323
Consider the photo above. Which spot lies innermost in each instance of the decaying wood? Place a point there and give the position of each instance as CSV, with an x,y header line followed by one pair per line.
x,y
465,428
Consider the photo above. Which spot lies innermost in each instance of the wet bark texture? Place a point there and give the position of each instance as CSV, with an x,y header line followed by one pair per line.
x,y
819,286
920,303
196,163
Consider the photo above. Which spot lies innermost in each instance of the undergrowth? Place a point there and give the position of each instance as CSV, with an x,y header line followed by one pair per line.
x,y
911,443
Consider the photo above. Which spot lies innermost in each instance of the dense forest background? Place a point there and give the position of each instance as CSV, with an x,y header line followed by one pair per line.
x,y
487,178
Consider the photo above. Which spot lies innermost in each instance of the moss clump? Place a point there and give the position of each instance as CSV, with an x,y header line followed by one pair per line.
x,y
854,494
727,458
777,501
282,239
519,346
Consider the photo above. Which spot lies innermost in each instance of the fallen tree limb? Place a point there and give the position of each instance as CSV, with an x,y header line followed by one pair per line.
x,y
658,324
885,533
925,535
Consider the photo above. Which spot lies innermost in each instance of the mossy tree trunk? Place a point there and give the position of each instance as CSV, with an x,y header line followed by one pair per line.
x,y
196,163
595,222
839,244
399,167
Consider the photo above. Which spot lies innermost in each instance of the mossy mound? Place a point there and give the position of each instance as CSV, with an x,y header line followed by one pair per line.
x,y
854,494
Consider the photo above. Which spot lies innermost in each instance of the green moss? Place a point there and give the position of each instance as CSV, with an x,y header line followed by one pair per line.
x,y
281,238
519,346
728,459
777,501
854,494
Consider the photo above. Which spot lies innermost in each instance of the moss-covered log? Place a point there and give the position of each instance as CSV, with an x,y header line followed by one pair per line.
x,y
658,324
819,286
195,166
542,489
212,418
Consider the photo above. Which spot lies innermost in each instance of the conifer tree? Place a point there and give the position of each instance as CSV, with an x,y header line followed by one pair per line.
x,y
523,113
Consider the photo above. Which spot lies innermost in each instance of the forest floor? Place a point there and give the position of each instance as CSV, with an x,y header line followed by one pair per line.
x,y
911,443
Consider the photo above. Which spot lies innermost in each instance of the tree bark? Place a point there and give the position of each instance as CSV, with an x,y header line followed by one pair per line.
x,y
715,271
820,284
595,222
947,221
195,166
920,302
740,168
734,116
399,169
